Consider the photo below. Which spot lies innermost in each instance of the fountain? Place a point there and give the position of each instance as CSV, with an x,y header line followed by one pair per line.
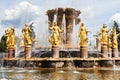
x,y
61,53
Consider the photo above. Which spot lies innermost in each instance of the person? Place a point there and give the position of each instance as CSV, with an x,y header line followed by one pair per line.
x,y
83,35
104,31
26,33
55,37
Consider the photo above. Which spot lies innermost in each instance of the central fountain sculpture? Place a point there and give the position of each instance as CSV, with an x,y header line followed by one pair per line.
x,y
71,15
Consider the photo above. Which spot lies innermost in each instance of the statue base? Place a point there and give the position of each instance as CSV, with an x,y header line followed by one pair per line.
x,y
55,51
6,53
114,52
104,51
83,52
11,53
28,52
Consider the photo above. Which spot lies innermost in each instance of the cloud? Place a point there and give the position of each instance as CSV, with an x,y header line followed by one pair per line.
x,y
26,12
116,17
23,12
87,13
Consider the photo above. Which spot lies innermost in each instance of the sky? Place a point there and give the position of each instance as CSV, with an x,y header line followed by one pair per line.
x,y
95,13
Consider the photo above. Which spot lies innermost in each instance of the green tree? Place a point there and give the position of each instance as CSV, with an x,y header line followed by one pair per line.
x,y
3,44
118,31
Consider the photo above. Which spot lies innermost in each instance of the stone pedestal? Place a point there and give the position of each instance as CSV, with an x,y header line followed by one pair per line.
x,y
104,51
11,53
55,51
114,52
28,52
6,53
83,52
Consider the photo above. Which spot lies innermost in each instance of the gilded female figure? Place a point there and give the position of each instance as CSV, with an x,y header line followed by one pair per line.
x,y
55,37
26,33
83,35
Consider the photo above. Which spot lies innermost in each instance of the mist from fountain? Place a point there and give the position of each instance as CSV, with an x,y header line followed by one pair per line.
x,y
114,65
72,66
94,65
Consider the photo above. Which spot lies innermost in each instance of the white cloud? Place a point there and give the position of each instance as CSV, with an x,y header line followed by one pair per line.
x,y
27,12
21,9
21,13
116,17
87,13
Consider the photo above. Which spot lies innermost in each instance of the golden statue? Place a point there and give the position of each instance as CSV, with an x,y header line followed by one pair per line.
x,y
83,35
104,31
114,38
26,33
12,38
55,37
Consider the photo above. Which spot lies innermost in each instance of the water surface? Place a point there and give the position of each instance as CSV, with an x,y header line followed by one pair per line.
x,y
59,74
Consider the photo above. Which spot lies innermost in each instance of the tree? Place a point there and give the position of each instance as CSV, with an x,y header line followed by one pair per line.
x,y
118,31
3,44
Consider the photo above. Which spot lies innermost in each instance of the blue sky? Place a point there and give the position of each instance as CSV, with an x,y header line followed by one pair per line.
x,y
94,13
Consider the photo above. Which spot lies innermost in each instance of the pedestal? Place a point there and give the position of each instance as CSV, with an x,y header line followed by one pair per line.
x,y
6,53
11,53
28,52
83,52
104,51
55,51
114,52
